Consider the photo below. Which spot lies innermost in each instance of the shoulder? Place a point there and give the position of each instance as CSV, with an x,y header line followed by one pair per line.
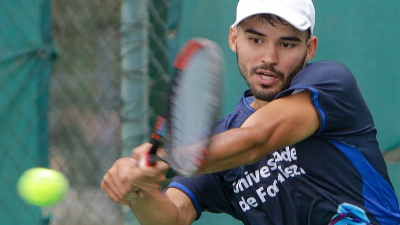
x,y
236,118
327,65
327,69
325,74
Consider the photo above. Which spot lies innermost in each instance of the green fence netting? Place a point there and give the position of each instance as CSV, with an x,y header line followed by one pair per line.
x,y
26,62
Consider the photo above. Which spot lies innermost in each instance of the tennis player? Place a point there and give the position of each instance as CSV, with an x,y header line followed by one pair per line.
x,y
299,148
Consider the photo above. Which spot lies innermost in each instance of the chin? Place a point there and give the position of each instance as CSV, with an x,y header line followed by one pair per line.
x,y
264,96
265,93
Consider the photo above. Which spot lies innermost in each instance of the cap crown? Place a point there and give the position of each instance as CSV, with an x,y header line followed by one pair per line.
x,y
299,13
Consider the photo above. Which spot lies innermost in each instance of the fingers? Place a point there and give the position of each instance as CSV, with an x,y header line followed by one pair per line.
x,y
122,180
125,182
116,183
144,148
154,172
110,190
140,150
147,177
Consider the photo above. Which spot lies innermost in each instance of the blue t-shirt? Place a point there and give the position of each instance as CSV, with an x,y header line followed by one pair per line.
x,y
336,174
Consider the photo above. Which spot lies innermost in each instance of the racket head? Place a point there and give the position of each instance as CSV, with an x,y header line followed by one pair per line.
x,y
193,105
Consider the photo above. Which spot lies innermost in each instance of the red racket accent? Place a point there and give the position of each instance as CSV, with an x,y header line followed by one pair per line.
x,y
155,136
183,56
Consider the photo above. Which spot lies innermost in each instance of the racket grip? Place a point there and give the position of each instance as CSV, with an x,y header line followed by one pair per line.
x,y
150,160
151,157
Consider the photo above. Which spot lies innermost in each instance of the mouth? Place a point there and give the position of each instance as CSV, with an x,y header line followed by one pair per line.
x,y
266,75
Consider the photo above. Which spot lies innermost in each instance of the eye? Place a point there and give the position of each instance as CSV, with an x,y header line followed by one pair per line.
x,y
256,40
287,45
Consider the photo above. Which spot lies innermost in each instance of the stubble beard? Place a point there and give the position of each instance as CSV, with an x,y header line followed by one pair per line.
x,y
265,92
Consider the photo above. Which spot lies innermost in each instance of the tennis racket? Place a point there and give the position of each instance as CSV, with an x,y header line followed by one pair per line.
x,y
191,109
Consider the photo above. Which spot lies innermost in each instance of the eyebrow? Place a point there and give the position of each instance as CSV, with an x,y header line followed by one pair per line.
x,y
286,38
291,38
252,31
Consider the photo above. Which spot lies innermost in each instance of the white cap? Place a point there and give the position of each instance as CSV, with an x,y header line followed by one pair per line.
x,y
299,13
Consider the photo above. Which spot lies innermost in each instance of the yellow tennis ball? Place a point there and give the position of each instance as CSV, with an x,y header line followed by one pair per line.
x,y
42,186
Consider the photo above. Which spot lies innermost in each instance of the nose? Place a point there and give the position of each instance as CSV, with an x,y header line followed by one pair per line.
x,y
269,55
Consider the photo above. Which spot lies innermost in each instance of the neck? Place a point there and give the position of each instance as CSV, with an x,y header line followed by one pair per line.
x,y
257,104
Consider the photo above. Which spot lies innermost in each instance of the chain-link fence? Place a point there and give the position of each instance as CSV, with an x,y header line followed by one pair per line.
x,y
84,106
85,103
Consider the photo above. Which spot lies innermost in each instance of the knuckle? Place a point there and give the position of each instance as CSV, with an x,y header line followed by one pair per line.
x,y
119,196
102,185
112,170
114,198
124,179
105,176
124,193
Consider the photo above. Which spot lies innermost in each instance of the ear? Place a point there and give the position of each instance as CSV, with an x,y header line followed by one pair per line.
x,y
312,44
233,38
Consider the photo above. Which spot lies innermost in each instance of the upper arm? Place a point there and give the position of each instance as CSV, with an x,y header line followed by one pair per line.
x,y
187,211
284,121
280,123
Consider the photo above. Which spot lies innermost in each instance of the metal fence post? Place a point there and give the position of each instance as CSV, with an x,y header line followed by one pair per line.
x,y
134,83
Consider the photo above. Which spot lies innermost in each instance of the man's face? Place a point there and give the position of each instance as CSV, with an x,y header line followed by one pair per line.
x,y
268,56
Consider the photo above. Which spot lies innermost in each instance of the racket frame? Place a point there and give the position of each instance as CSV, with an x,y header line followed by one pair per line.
x,y
159,131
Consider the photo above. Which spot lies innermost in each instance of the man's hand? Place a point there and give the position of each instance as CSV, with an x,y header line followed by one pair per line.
x,y
125,182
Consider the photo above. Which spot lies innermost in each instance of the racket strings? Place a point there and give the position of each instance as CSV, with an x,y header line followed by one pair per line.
x,y
194,104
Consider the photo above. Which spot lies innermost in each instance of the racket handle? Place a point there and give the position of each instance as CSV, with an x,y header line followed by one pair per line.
x,y
159,129
150,160
151,156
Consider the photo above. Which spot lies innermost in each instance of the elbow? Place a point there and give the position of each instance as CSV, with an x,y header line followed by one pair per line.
x,y
254,155
262,146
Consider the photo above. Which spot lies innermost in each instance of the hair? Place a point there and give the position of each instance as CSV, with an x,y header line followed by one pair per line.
x,y
273,19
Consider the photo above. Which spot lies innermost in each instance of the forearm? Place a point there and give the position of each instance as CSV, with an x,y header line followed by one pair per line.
x,y
155,208
139,187
234,148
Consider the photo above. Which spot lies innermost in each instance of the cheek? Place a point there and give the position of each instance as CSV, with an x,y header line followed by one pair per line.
x,y
245,63
248,56
293,56
292,60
